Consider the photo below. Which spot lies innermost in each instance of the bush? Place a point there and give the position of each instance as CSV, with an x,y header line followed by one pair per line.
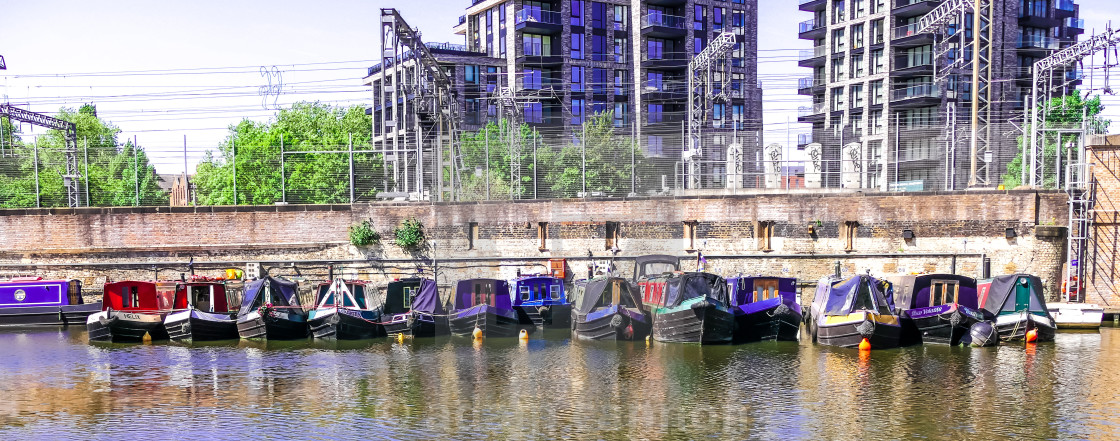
x,y
363,234
409,235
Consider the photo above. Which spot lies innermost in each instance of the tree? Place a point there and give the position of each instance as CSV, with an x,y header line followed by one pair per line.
x,y
608,161
1069,110
114,171
490,145
311,177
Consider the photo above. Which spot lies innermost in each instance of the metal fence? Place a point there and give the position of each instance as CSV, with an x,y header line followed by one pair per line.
x,y
542,163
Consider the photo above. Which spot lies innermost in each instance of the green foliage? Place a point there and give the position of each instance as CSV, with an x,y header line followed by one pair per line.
x,y
363,235
608,159
314,178
409,235
113,170
1064,111
491,145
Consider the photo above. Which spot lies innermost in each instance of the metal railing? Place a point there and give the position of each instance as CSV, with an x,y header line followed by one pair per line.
x,y
909,30
537,16
1038,41
663,20
926,90
816,52
809,25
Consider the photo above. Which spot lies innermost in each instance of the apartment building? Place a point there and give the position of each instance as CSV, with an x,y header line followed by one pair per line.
x,y
897,104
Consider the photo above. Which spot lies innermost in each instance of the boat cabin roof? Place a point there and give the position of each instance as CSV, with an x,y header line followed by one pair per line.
x,y
857,293
1001,294
474,292
605,292
924,290
680,287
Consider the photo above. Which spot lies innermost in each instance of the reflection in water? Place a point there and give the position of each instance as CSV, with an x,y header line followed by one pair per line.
x,y
551,386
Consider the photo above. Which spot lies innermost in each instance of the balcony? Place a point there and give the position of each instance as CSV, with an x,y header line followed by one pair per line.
x,y
905,66
814,113
804,139
535,55
665,90
908,36
811,29
1038,19
810,85
913,8
813,57
538,21
918,95
1075,23
1037,44
667,61
664,26
811,5
1066,8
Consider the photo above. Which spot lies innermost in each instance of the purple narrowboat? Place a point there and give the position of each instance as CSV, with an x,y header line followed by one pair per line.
x,y
32,301
483,304
765,308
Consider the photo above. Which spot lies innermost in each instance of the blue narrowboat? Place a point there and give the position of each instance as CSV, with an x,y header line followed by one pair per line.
x,y
541,301
483,304
346,310
608,308
937,308
846,312
765,308
32,301
271,311
413,308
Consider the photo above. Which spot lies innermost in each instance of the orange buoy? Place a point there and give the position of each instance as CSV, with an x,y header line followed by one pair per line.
x,y
524,335
477,334
865,345
628,332
1032,336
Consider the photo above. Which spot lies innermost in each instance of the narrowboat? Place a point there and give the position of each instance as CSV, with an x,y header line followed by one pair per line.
x,y
608,308
202,312
1014,302
541,301
765,308
648,267
32,301
938,308
131,310
271,311
346,310
413,308
1077,315
483,304
689,308
845,312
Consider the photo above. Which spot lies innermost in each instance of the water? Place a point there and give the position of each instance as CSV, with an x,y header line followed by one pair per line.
x,y
56,385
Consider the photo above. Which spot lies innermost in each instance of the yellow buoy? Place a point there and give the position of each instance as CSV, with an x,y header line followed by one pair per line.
x,y
477,334
400,338
524,335
865,345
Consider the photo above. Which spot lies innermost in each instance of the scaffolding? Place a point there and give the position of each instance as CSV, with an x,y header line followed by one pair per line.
x,y
418,115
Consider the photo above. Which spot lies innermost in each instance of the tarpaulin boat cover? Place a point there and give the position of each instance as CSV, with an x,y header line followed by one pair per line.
x,y
283,293
741,290
596,293
681,287
428,299
913,291
1001,296
838,297
474,292
654,265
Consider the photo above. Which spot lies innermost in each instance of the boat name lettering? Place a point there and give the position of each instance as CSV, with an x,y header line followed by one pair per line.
x,y
929,310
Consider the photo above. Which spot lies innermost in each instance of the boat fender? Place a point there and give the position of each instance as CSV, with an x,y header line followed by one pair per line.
x,y
866,329
782,310
618,321
955,319
865,345
983,334
1032,336
701,304
60,313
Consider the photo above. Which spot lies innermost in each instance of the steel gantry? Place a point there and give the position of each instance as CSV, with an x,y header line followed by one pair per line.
x,y
711,64
418,114
69,133
950,18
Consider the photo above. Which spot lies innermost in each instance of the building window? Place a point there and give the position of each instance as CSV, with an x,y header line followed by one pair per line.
x,y
737,116
856,121
577,78
857,66
598,15
577,111
534,113
620,83
765,235
856,93
690,228
599,81
655,48
859,8
542,236
655,80
837,99
876,92
655,145
838,41
877,31
877,62
655,113
877,122
717,115
699,13
577,46
599,48
536,45
620,13
717,18
472,235
531,79
612,235
471,74
577,12
697,45
838,11
849,234
620,50
621,117
857,36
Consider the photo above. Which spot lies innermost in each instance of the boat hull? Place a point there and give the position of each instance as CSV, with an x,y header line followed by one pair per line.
x,y
491,321
195,325
281,327
1014,327
882,331
64,315
945,324
1076,316
346,324
417,325
612,323
774,323
125,327
699,321
546,316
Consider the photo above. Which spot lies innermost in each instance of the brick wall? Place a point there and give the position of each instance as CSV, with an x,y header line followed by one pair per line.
x,y
952,230
1102,280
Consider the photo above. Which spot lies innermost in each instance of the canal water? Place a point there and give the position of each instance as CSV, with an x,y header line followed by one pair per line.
x,y
53,384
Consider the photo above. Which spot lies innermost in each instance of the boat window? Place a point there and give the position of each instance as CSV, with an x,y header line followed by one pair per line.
x,y
674,294
200,296
134,297
525,293
943,292
864,300
554,292
360,295
408,297
74,292
658,268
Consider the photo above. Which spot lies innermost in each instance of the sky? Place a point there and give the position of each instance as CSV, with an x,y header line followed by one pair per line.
x,y
176,75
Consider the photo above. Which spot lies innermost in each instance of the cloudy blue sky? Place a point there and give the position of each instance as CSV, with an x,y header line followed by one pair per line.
x,y
162,71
